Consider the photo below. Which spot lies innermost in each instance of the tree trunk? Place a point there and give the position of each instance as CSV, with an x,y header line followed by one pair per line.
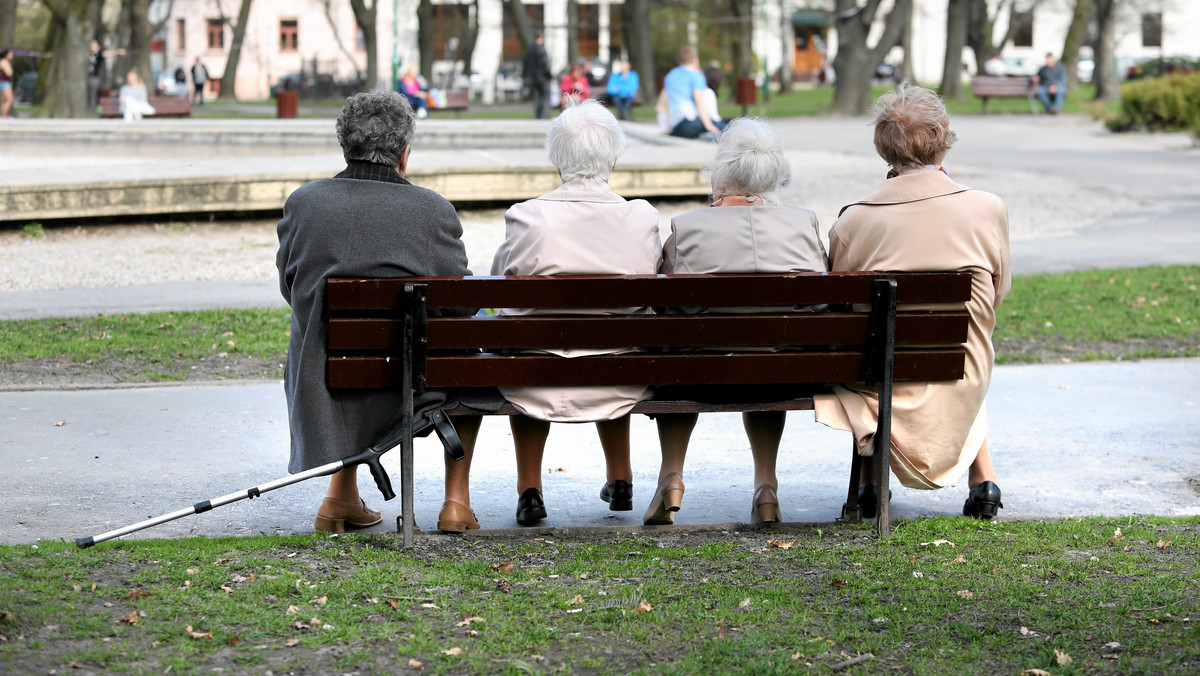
x,y
66,88
741,35
636,23
981,26
573,54
855,61
425,29
906,40
787,37
327,5
956,39
134,37
229,78
1105,76
365,15
1075,36
8,23
469,37
520,19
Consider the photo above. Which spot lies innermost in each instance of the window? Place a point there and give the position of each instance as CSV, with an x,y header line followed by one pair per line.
x,y
216,34
449,28
289,35
512,44
589,31
180,35
1152,29
1023,35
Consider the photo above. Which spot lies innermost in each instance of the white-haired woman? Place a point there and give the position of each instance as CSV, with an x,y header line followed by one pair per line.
x,y
749,231
580,228
920,219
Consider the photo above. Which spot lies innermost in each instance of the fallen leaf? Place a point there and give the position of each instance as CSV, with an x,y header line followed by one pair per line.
x,y
781,544
644,607
913,558
721,631
131,618
93,586
227,588
937,543
1024,631
292,610
234,640
965,593
430,606
191,571
134,595
453,651
393,604
1035,672
471,632
1110,650
197,634
505,568
836,583
314,622
797,656
466,622
745,603
74,664
413,664
957,560
1061,658
292,642
1117,537
1163,544
60,423
239,578
319,602
220,562
577,600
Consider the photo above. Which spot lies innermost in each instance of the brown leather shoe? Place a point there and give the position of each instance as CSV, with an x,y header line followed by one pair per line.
x,y
456,517
334,515
765,507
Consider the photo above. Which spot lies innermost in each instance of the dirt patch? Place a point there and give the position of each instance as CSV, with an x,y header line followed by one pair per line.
x,y
55,373
1057,350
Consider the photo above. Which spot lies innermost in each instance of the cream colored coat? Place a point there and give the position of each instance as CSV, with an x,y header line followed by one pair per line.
x,y
581,228
915,222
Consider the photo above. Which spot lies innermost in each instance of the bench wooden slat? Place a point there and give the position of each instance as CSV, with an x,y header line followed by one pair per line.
x,y
739,368
650,290
912,328
164,106
658,406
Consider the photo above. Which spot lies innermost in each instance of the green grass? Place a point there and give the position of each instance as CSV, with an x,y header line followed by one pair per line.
x,y
1002,598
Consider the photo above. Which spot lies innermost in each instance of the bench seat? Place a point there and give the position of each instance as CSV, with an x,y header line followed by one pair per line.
x,y
164,106
987,87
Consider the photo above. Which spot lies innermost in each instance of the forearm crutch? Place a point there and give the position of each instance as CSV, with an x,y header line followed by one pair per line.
x,y
435,420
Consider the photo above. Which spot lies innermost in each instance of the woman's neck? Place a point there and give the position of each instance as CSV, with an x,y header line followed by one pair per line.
x,y
737,201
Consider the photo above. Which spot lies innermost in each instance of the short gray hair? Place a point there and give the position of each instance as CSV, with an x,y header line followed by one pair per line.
x,y
376,127
584,141
749,161
912,127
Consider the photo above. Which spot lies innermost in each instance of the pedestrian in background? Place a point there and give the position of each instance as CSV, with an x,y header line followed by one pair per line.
x,y
535,71
1051,81
199,77
623,87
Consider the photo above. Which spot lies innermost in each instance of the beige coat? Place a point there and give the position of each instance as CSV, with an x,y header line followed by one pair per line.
x,y
581,228
915,222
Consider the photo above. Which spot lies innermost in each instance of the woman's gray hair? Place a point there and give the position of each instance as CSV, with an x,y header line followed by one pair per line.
x,y
749,162
584,141
912,127
376,127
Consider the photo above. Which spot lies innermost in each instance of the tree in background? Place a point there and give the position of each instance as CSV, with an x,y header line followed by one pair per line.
x,y
228,90
1105,75
365,14
573,31
425,29
981,28
133,35
328,7
636,24
8,24
66,73
1076,34
855,62
956,40
520,19
741,37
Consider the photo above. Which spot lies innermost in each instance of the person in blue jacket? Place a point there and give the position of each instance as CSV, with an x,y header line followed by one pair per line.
x,y
623,88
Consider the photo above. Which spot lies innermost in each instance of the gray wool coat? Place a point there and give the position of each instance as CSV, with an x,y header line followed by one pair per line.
x,y
365,222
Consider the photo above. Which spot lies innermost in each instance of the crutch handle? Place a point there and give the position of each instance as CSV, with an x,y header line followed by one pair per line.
x,y
381,476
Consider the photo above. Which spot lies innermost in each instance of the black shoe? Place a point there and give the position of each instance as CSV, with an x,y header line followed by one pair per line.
x,y
868,500
618,494
982,501
530,508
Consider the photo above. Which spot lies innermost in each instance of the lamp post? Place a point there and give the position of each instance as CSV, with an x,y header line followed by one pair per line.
x,y
395,42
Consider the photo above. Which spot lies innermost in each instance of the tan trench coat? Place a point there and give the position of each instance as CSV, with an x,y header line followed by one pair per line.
x,y
580,228
915,222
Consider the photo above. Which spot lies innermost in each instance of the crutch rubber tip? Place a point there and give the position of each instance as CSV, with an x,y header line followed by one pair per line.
x,y
84,543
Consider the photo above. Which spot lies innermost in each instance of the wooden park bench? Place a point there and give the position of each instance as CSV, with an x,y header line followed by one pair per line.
x,y
164,106
1004,87
457,100
382,335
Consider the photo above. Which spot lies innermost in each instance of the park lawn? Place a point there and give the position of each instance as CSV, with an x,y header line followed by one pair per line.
x,y
940,596
1099,314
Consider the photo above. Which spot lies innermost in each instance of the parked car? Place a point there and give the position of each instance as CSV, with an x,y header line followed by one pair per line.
x,y
1157,67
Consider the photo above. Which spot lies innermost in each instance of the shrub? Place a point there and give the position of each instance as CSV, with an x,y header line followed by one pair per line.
x,y
1170,103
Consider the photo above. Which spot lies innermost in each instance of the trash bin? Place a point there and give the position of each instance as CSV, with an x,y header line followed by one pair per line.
x,y
287,104
747,93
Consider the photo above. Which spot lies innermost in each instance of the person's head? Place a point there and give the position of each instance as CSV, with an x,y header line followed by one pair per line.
x,y
411,72
376,126
132,78
197,61
712,76
1049,59
576,70
584,141
3,54
626,67
539,37
95,45
912,127
688,55
749,162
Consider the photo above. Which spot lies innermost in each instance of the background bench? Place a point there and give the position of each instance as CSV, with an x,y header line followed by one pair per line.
x,y
164,106
457,100
1004,87
381,335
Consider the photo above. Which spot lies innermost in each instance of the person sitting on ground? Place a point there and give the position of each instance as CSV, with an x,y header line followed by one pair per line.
x,y
921,220
623,86
132,98
410,86
580,228
574,85
688,115
367,221
1051,81
750,232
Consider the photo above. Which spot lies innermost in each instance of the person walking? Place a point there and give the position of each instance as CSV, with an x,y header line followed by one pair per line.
x,y
535,70
199,77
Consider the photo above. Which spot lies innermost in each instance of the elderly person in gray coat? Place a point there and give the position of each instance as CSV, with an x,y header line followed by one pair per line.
x,y
580,228
367,221
750,231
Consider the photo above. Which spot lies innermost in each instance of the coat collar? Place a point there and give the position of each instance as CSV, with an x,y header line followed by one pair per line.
x,y
583,190
369,171
911,188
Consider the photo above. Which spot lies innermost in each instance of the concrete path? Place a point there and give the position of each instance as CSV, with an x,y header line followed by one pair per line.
x,y
1084,439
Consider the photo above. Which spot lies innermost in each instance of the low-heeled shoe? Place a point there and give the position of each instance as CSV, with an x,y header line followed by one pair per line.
x,y
333,516
666,501
456,517
530,507
983,500
618,494
868,500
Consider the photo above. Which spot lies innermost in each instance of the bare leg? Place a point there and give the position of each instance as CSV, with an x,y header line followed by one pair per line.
x,y
674,433
981,468
343,485
614,439
458,474
529,437
764,429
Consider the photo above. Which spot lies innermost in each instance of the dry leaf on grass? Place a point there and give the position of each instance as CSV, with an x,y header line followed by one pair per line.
x,y
314,622
131,618
1117,537
466,622
965,593
413,664
221,562
393,604
782,544
797,656
292,642
1163,544
577,600
957,560
233,641
1035,672
505,568
239,578
746,603
191,571
837,583
1061,658
197,634
643,607
453,651
429,606
292,610
134,595
227,589
319,602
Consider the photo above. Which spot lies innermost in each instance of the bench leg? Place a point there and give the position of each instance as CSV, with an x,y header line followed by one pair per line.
x,y
850,510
